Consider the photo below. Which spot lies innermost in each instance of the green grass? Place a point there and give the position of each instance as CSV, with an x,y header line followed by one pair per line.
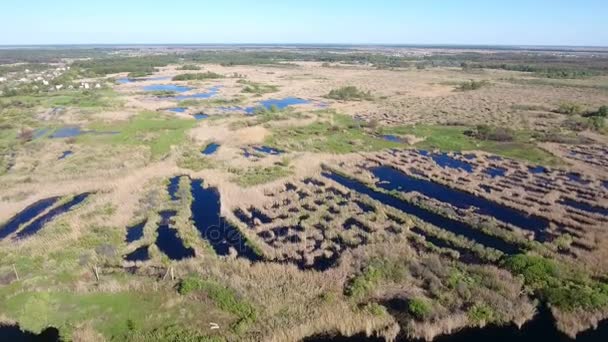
x,y
452,138
258,88
194,160
109,312
349,93
341,134
260,175
210,102
198,76
157,131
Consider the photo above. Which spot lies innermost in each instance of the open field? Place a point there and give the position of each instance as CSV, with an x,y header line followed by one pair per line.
x,y
285,194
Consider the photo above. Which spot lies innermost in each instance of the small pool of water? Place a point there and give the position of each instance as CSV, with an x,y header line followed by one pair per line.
x,y
39,223
13,333
210,149
213,227
167,87
200,116
140,254
278,103
537,169
39,133
177,109
172,188
168,240
26,215
65,154
136,232
448,162
268,150
495,172
577,177
67,132
391,138
200,96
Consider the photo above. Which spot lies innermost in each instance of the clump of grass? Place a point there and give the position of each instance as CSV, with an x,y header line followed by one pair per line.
x,y
162,93
211,102
472,85
225,298
258,88
559,285
193,67
487,132
375,272
569,108
170,333
198,76
349,93
419,308
193,160
261,175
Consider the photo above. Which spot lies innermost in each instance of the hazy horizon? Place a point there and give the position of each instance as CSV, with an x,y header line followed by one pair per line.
x,y
186,22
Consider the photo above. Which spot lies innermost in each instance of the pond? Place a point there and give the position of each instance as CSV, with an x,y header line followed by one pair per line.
x,y
14,333
214,228
168,240
495,172
140,254
200,116
268,150
74,131
136,232
584,206
391,138
210,149
167,87
39,223
457,227
278,103
177,109
200,96
446,161
172,188
65,154
391,179
26,215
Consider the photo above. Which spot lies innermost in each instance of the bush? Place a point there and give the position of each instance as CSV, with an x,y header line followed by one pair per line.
x,y
197,77
349,93
481,313
189,67
486,132
569,108
471,85
419,308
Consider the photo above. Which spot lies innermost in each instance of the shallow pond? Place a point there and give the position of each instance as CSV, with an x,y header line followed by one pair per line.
x,y
213,227
140,254
168,240
425,215
210,149
391,138
39,223
13,333
26,215
391,179
446,161
136,232
495,172
172,187
268,150
65,154
200,96
167,87
584,206
177,109
278,103
200,116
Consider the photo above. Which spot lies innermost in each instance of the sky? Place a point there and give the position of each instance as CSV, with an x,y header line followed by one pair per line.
x,y
487,22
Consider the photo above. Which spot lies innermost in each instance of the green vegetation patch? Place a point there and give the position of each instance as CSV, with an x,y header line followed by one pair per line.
x,y
225,298
472,85
454,138
375,272
258,88
339,134
559,285
349,93
261,175
157,131
190,67
198,76
192,159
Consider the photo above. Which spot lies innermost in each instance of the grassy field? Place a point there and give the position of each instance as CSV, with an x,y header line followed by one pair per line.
x,y
154,130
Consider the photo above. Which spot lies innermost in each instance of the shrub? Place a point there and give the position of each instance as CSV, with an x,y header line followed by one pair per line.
x,y
349,93
189,67
471,85
486,132
419,308
481,313
569,108
197,77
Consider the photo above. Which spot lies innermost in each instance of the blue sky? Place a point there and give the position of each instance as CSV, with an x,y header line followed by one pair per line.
x,y
501,22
